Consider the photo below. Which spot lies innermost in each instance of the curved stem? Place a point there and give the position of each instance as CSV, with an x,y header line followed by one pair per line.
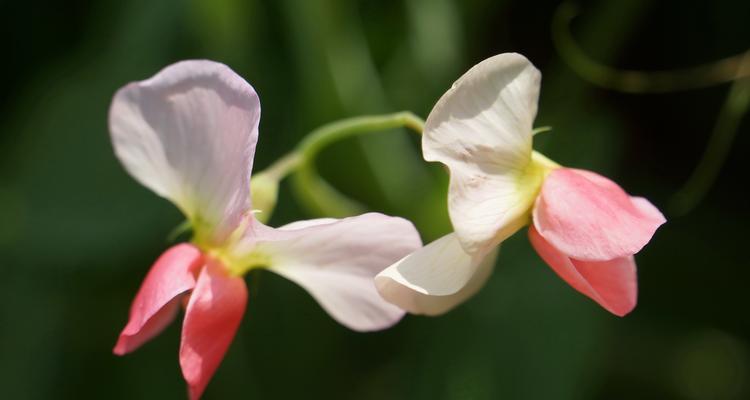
x,y
318,195
632,81
335,131
697,186
283,166
320,198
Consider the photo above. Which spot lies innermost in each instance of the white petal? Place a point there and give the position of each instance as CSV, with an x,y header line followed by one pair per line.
x,y
307,223
189,134
336,261
436,278
482,130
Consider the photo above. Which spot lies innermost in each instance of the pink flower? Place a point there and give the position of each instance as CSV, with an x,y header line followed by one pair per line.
x,y
189,134
583,225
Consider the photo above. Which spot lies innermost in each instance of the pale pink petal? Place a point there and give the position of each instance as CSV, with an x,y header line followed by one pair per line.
x,y
648,209
613,284
212,317
157,301
436,278
481,129
336,261
189,134
588,217
307,223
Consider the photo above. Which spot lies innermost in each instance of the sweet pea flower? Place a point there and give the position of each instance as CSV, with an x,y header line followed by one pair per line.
x,y
582,224
189,134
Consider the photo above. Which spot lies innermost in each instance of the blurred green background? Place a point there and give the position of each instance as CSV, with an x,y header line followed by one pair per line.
x,y
77,234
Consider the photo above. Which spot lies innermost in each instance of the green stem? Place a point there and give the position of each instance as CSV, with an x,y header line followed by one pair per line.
x,y
633,81
283,166
705,173
328,134
335,131
314,192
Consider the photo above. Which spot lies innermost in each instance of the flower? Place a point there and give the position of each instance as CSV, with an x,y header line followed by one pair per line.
x,y
189,134
582,224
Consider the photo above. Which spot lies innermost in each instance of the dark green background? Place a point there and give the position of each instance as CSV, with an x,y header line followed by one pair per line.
x,y
77,234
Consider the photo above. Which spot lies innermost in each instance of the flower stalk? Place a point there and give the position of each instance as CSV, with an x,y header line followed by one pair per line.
x,y
317,195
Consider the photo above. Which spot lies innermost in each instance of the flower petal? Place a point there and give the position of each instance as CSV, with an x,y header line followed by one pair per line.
x,y
212,317
588,217
336,261
481,129
157,301
436,278
189,134
613,284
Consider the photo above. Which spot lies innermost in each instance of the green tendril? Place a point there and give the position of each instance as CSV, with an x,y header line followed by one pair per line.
x,y
728,122
633,81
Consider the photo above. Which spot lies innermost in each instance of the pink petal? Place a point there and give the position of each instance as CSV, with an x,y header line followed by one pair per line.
x,y
337,260
189,134
588,217
212,317
613,284
157,300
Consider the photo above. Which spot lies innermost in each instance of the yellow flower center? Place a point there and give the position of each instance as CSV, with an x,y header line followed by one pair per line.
x,y
530,182
235,262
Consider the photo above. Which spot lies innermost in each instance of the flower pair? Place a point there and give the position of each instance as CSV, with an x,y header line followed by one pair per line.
x,y
582,224
189,134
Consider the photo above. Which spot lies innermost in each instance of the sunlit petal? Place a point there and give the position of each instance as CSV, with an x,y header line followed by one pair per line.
x,y
189,134
481,129
336,261
435,278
